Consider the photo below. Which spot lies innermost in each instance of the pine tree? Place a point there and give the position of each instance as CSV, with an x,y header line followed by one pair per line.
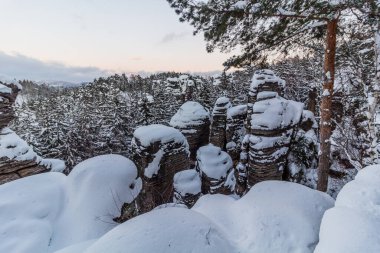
x,y
259,26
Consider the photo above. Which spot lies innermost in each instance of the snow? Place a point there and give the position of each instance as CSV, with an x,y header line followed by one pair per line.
x,y
189,114
148,135
275,113
240,4
169,230
5,89
264,142
266,94
49,211
308,115
56,165
187,182
13,147
150,98
154,166
77,248
214,162
222,100
262,76
273,216
353,224
236,110
325,93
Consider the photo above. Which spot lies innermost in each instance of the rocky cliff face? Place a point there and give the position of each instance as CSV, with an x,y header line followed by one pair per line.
x,y
159,153
193,121
271,124
218,135
235,131
216,170
187,187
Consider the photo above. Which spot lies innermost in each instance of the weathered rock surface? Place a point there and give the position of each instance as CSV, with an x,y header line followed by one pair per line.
x,y
235,130
271,124
187,187
193,120
218,128
216,169
159,152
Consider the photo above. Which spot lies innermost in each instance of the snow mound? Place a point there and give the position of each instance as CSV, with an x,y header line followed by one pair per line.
x,y
190,114
187,182
164,230
213,162
273,216
49,211
353,225
276,113
236,110
148,135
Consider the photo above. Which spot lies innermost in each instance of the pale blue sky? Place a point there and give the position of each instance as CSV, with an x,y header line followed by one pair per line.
x,y
110,35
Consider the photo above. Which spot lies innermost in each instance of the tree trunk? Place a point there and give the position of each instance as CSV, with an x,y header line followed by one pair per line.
x,y
377,51
328,89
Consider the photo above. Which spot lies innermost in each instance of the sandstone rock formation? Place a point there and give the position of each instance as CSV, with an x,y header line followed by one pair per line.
x,y
17,158
235,130
193,120
187,187
8,94
219,122
159,153
216,169
271,124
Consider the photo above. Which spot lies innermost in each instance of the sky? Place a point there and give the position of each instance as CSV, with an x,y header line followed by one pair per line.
x,y
78,40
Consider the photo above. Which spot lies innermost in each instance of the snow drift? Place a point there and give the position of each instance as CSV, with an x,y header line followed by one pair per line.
x,y
353,225
46,212
273,217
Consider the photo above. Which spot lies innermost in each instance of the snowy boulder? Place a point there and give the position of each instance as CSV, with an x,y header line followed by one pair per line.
x,y
216,169
169,230
187,187
272,217
353,225
159,152
193,120
46,212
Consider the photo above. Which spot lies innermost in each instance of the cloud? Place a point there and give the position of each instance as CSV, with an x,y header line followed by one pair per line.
x,y
18,66
172,36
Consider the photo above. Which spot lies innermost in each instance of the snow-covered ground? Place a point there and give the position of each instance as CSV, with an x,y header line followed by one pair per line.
x,y
353,225
46,212
52,212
